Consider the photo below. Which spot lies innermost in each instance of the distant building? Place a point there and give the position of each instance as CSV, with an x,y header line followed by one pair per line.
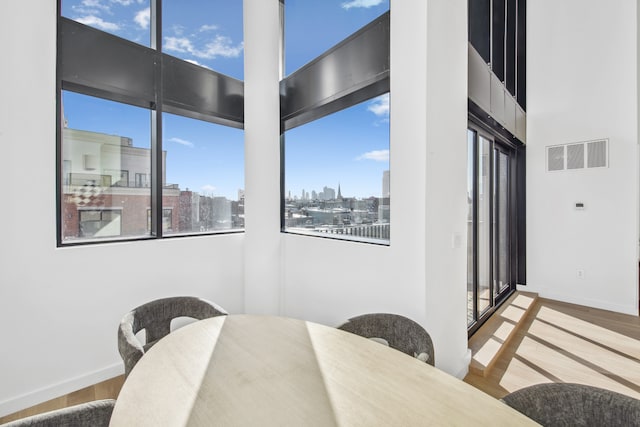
x,y
107,192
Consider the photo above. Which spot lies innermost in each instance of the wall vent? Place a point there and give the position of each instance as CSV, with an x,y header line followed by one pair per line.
x,y
578,155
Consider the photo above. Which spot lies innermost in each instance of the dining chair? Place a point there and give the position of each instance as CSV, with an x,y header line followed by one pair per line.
x,y
155,318
396,331
568,404
91,414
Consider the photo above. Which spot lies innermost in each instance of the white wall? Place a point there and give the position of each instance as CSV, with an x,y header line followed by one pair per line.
x,y
60,308
582,85
420,274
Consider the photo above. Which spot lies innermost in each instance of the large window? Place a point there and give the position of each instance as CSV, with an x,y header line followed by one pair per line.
x,y
335,118
150,145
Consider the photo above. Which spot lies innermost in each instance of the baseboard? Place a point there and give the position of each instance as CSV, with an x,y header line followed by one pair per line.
x,y
44,394
631,309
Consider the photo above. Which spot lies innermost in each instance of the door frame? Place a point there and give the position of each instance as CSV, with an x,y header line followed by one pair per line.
x,y
498,144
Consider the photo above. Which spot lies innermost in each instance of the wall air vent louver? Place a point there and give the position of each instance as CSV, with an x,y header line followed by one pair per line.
x,y
578,155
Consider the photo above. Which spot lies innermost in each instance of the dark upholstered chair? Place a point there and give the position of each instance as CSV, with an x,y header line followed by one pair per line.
x,y
563,404
90,414
397,331
155,318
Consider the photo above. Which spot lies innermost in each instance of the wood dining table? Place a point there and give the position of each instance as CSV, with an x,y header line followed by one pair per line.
x,y
252,370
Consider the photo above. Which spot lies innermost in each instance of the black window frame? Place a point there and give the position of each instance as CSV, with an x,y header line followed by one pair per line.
x,y
99,64
358,81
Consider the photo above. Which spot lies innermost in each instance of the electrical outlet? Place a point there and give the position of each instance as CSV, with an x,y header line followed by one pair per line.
x,y
580,274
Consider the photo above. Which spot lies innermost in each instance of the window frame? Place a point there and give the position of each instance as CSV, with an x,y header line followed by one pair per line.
x,y
96,63
354,83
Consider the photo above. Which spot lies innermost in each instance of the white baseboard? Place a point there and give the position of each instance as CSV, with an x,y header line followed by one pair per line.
x,y
41,395
631,308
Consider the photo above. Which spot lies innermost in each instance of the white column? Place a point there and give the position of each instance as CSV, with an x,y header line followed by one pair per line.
x,y
428,162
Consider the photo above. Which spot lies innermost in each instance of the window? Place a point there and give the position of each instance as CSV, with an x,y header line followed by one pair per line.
x,y
116,101
207,33
167,220
337,173
96,158
335,117
99,223
128,19
204,175
307,34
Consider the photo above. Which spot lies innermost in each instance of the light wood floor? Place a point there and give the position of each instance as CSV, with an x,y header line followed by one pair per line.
x,y
557,342
105,390
561,342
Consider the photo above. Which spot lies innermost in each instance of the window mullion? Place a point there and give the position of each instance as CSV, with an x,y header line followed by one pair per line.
x,y
156,122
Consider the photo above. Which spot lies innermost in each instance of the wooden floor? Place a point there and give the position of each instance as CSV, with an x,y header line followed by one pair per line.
x,y
560,342
105,390
557,342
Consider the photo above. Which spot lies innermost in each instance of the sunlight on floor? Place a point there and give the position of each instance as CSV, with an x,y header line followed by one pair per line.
x,y
558,347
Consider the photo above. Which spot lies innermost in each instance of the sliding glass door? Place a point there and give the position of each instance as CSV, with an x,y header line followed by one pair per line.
x,y
490,224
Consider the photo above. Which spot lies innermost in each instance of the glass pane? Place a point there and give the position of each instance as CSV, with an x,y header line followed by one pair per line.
x,y
312,27
100,141
484,225
503,222
128,19
203,187
337,174
471,135
206,33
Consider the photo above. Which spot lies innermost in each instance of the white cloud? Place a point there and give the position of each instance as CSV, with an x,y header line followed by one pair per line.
x,y
208,28
360,3
208,188
142,18
182,142
220,46
97,22
375,155
380,106
178,44
123,2
94,3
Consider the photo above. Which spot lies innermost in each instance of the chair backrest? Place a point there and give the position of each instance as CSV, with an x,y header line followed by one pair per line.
x,y
91,414
563,404
155,318
401,333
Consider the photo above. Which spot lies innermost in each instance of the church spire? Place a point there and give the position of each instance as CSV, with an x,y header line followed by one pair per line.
x,y
339,193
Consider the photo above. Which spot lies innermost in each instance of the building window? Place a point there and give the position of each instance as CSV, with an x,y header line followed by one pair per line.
x,y
167,220
335,118
96,223
132,114
142,180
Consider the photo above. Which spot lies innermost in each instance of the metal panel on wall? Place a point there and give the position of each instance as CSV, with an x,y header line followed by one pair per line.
x,y
352,71
479,80
105,65
197,92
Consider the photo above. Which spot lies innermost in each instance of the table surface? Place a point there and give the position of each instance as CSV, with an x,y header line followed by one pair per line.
x,y
246,370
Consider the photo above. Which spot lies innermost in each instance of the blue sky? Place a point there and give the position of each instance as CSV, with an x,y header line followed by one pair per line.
x,y
350,147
